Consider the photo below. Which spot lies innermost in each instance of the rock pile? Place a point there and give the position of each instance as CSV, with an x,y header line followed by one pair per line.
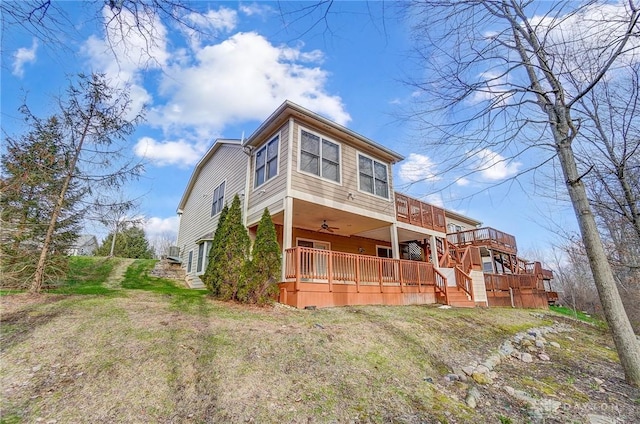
x,y
167,269
525,347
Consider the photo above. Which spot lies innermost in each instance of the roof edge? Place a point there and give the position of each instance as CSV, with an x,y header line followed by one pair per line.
x,y
288,104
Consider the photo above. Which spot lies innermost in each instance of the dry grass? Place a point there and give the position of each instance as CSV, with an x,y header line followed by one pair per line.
x,y
141,357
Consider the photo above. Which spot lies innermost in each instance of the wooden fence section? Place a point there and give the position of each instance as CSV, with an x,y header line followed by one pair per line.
x,y
487,236
416,212
517,290
328,278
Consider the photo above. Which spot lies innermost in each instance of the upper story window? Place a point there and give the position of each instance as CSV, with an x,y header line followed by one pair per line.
x,y
319,156
373,176
218,200
266,162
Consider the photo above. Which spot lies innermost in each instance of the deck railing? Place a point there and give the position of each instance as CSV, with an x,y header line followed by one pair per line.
x,y
484,237
421,214
503,282
304,264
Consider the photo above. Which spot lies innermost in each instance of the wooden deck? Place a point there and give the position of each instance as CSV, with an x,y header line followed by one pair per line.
x,y
488,237
415,212
321,278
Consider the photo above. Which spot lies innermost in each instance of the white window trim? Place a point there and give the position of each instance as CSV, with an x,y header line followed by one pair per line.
x,y
374,180
322,137
205,258
200,259
313,241
389,248
224,198
255,158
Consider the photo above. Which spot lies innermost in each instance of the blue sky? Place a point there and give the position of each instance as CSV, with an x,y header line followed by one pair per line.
x,y
199,88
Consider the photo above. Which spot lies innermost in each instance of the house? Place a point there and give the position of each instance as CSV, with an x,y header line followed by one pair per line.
x,y
347,236
85,245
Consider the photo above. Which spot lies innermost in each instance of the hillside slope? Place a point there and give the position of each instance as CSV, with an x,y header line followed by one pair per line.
x,y
150,356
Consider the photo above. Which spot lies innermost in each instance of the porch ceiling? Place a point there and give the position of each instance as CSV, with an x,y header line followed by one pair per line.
x,y
310,216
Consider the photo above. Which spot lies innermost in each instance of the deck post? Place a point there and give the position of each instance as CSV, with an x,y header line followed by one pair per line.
x,y
434,251
357,273
395,245
400,275
380,279
287,235
297,262
330,270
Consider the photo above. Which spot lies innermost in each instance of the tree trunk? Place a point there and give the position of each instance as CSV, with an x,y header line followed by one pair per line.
x,y
113,242
625,339
38,278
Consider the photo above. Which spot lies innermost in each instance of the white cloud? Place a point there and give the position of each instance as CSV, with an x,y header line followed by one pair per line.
x,y
256,9
155,227
585,39
212,23
493,166
434,199
163,153
418,168
24,55
462,181
243,78
495,88
223,19
128,49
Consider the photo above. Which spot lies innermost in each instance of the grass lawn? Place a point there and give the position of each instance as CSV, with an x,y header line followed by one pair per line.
x,y
149,351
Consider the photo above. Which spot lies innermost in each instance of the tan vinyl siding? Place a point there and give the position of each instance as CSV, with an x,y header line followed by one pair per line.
x,y
332,191
452,221
254,215
277,184
228,164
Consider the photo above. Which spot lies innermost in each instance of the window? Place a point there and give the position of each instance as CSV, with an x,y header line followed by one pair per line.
x,y
204,248
267,162
384,252
218,200
190,261
200,257
319,156
453,228
373,176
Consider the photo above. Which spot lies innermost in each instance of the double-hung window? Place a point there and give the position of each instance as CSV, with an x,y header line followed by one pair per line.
x,y
218,200
373,176
200,258
266,162
319,156
190,261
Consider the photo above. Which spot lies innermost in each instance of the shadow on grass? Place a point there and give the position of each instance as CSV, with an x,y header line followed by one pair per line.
x,y
17,326
86,276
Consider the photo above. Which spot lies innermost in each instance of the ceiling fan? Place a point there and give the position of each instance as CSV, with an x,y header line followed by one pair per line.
x,y
326,227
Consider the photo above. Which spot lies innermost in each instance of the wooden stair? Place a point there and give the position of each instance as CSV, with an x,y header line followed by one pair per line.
x,y
458,298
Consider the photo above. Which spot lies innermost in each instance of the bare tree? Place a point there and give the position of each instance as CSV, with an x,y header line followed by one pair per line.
x,y
508,75
49,22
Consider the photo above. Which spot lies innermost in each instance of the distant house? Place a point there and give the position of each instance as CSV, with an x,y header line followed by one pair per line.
x,y
347,236
84,246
